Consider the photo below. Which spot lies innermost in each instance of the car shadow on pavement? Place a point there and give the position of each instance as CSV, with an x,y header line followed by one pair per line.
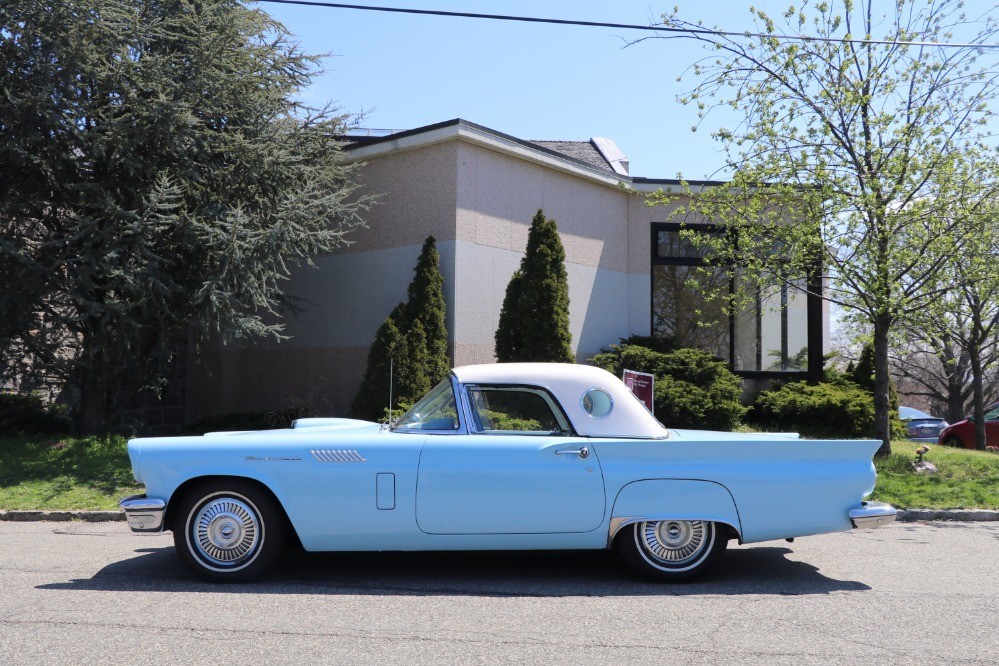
x,y
756,570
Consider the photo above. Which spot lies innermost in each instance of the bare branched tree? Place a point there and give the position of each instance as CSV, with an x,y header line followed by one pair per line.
x,y
847,155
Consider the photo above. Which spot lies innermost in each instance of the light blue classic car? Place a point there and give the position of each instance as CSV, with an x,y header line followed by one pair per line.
x,y
498,457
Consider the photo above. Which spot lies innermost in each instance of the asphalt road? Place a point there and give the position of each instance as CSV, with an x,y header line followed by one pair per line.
x,y
76,593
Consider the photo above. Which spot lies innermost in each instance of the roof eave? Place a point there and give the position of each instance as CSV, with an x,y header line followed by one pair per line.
x,y
462,130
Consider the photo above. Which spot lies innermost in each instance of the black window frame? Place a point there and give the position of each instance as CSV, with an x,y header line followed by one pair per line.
x,y
813,307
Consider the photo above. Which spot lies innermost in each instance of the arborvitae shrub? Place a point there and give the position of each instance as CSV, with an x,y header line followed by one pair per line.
x,y
534,320
411,343
834,410
693,389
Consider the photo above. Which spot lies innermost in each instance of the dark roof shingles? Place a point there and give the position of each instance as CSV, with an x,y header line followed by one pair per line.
x,y
580,150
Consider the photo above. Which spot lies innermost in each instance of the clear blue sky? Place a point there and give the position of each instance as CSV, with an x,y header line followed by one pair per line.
x,y
533,81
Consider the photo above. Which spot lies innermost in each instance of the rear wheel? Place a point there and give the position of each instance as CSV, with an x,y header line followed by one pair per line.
x,y
672,551
228,530
953,440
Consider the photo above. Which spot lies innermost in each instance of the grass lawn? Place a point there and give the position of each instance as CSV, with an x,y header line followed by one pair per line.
x,y
966,479
51,472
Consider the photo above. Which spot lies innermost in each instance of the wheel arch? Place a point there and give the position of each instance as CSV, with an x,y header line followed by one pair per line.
x,y
184,488
676,499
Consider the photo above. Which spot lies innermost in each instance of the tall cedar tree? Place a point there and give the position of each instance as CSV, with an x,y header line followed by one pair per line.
x,y
426,305
414,337
534,321
160,179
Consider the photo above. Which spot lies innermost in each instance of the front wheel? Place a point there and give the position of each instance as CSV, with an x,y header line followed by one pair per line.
x,y
954,441
228,531
672,551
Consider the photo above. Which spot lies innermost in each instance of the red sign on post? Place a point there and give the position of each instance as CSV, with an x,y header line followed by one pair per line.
x,y
640,383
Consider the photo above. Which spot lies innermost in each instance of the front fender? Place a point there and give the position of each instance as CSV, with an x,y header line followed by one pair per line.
x,y
676,499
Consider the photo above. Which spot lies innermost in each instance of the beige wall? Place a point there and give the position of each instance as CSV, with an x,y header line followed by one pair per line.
x,y
416,198
607,252
478,203
498,194
343,299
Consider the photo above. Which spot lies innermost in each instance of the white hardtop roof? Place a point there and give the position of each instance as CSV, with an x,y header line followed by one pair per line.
x,y
568,382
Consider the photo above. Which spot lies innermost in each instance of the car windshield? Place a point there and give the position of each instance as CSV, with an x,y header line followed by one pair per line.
x,y
436,411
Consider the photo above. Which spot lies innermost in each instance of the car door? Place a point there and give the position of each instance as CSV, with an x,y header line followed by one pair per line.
x,y
991,426
520,470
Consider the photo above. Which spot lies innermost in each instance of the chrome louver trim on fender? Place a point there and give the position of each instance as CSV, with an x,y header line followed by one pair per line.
x,y
337,456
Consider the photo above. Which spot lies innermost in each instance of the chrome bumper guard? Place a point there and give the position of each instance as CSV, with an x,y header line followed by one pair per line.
x,y
144,514
872,514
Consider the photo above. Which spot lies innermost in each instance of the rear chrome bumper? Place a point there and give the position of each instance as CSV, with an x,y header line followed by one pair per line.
x,y
144,514
872,514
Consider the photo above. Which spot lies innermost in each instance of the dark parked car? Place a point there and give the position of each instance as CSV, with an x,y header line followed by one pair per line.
x,y
920,426
962,433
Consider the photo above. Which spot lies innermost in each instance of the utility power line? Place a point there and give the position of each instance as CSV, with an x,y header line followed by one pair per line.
x,y
623,26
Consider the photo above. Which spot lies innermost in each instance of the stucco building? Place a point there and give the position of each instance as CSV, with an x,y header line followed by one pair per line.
x,y
476,190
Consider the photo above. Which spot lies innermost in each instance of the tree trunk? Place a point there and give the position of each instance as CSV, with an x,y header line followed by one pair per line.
x,y
882,421
92,418
955,366
978,391
955,401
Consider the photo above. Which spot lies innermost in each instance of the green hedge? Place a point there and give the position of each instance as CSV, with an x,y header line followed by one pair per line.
x,y
27,413
693,389
840,409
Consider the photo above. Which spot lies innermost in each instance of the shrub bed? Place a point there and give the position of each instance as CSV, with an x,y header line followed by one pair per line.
x,y
840,409
693,389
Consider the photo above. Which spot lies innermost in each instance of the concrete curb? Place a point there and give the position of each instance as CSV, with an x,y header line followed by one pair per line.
x,y
904,515
971,515
62,516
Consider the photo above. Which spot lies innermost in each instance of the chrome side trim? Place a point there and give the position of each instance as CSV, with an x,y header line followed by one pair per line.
x,y
617,524
872,514
144,514
337,456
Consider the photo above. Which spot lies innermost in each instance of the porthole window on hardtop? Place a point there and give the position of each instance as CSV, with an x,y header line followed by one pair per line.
x,y
597,403
518,410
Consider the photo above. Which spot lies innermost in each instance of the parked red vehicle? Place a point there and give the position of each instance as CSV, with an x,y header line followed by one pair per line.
x,y
962,433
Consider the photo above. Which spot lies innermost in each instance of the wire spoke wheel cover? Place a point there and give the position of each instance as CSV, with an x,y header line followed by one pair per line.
x,y
228,530
225,531
674,545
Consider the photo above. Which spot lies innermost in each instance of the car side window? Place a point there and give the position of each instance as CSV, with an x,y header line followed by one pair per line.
x,y
436,411
515,410
992,414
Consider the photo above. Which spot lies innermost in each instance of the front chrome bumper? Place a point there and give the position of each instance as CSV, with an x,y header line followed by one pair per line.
x,y
144,514
872,514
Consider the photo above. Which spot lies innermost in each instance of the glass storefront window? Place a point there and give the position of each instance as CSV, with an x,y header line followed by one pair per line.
x,y
680,310
769,335
671,245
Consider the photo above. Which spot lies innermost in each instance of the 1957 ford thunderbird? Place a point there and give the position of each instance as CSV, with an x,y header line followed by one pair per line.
x,y
498,457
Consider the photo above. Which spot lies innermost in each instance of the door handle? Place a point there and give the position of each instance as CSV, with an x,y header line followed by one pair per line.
x,y
583,452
